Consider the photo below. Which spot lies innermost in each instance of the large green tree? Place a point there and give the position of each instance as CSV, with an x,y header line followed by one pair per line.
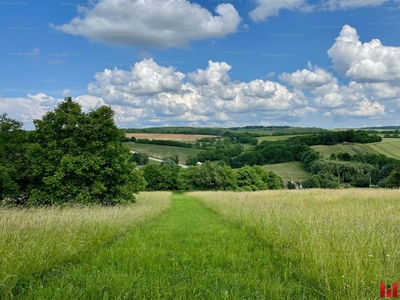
x,y
78,157
393,180
13,142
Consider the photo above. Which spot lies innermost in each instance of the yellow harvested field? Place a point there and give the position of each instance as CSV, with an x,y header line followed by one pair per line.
x,y
173,137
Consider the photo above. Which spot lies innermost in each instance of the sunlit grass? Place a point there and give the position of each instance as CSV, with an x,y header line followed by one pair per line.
x,y
187,253
37,240
341,243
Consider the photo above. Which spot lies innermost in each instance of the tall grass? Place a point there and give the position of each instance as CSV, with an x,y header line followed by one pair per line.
x,y
339,243
188,253
38,240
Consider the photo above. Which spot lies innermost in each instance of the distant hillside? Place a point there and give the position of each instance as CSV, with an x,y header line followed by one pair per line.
x,y
255,131
383,127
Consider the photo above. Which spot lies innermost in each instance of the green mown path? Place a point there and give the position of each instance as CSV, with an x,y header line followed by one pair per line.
x,y
187,253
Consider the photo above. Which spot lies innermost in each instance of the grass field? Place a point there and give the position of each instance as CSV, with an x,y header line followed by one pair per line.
x,y
389,146
274,138
159,151
188,253
308,244
352,148
289,171
336,245
34,242
173,137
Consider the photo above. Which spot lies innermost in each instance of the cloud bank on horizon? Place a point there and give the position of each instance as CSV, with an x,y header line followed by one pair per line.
x,y
175,62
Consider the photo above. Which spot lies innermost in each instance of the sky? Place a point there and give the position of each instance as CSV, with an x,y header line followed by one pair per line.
x,y
214,63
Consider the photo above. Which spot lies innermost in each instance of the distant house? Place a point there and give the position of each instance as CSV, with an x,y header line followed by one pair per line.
x,y
291,185
178,140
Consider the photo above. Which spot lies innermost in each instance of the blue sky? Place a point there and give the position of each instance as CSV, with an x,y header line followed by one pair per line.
x,y
326,63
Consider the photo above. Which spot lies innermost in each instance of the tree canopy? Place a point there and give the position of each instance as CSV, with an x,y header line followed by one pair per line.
x,y
76,157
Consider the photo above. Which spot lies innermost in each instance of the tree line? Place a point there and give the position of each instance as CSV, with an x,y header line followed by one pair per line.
x,y
336,137
164,143
209,176
255,131
359,170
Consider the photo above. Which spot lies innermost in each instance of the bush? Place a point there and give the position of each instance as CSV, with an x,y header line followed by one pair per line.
x,y
361,182
312,182
140,159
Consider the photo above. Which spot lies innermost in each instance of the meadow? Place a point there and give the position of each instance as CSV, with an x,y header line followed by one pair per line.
x,y
351,148
389,146
338,245
274,138
289,171
290,244
35,242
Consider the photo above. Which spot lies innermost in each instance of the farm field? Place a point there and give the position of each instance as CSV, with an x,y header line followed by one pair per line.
x,y
389,146
291,244
159,151
164,136
274,138
352,148
289,171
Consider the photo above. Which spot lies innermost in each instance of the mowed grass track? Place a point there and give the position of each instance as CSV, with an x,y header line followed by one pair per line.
x,y
188,253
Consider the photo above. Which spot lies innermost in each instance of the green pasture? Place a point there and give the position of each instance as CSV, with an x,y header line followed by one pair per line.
x,y
289,171
352,148
388,146
274,138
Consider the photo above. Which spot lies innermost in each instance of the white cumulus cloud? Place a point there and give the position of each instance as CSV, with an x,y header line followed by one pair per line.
x,y
205,95
364,62
307,79
364,108
151,23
